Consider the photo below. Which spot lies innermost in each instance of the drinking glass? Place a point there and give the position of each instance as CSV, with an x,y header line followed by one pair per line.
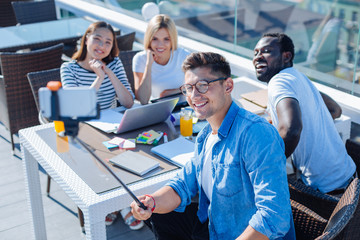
x,y
186,122
59,127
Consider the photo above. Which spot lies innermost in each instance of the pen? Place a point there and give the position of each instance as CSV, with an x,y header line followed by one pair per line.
x,y
165,138
155,142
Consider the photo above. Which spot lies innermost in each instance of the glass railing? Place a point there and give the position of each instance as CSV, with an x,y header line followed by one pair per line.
x,y
325,33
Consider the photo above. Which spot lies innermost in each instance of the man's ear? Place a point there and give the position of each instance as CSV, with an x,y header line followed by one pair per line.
x,y
229,85
287,57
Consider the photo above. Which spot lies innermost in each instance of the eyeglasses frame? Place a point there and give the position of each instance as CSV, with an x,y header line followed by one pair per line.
x,y
194,85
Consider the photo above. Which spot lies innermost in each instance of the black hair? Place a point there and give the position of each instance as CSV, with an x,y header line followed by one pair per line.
x,y
285,43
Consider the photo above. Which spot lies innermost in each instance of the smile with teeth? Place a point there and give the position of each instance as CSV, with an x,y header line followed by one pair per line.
x,y
99,51
199,105
160,49
260,65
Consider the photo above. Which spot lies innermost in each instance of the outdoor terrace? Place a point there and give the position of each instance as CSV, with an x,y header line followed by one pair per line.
x,y
60,212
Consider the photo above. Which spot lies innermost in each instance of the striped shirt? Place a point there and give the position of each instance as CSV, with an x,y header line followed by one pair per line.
x,y
73,75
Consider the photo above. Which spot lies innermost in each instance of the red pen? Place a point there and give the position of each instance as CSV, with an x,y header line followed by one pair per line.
x,y
165,138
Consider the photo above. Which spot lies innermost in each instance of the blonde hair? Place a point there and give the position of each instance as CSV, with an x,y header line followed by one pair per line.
x,y
155,24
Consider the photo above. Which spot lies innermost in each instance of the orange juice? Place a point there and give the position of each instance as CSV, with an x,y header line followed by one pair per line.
x,y
59,126
186,126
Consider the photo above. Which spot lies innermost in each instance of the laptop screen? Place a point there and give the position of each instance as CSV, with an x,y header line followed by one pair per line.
x,y
181,103
113,120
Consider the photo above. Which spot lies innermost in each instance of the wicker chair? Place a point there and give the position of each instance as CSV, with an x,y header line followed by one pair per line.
x,y
126,59
308,224
17,106
7,15
342,224
32,12
353,149
322,204
40,79
125,42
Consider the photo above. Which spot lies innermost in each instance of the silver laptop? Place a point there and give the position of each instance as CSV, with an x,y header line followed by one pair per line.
x,y
119,120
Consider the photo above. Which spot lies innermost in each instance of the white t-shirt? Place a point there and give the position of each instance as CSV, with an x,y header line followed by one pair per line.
x,y
163,77
207,180
320,154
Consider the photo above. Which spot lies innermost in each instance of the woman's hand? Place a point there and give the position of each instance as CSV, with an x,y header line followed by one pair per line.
x,y
106,69
142,80
98,67
150,57
138,212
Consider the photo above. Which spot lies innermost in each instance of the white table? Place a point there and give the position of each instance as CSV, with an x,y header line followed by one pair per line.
x,y
94,206
42,34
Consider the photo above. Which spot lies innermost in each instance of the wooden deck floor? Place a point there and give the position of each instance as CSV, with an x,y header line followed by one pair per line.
x,y
60,212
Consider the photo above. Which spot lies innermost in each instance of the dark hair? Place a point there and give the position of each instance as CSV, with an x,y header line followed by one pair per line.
x,y
80,55
285,42
215,62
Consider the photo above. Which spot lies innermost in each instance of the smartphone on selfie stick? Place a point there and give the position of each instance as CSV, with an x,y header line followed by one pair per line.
x,y
58,104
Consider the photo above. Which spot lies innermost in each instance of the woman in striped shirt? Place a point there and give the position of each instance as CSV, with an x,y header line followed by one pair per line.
x,y
96,64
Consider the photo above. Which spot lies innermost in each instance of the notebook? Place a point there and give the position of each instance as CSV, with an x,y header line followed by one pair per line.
x,y
178,151
119,120
134,162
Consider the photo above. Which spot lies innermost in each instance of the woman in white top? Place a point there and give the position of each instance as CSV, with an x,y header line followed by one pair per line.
x,y
96,64
157,69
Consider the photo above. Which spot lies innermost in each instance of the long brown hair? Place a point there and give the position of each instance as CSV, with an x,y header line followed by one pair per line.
x,y
80,55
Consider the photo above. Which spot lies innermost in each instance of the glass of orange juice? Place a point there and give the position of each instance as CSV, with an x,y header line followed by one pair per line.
x,y
59,127
186,122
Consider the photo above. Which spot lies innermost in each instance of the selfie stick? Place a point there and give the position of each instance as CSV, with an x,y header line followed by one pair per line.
x,y
71,129
112,173
140,204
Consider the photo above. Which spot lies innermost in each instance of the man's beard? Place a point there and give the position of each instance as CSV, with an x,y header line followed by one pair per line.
x,y
270,71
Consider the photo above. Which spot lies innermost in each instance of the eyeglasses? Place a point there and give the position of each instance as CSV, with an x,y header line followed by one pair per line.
x,y
201,86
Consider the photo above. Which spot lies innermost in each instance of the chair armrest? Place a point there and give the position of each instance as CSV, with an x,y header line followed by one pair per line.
x,y
322,204
308,224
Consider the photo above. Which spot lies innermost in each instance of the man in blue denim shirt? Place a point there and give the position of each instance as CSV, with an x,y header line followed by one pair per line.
x,y
238,169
